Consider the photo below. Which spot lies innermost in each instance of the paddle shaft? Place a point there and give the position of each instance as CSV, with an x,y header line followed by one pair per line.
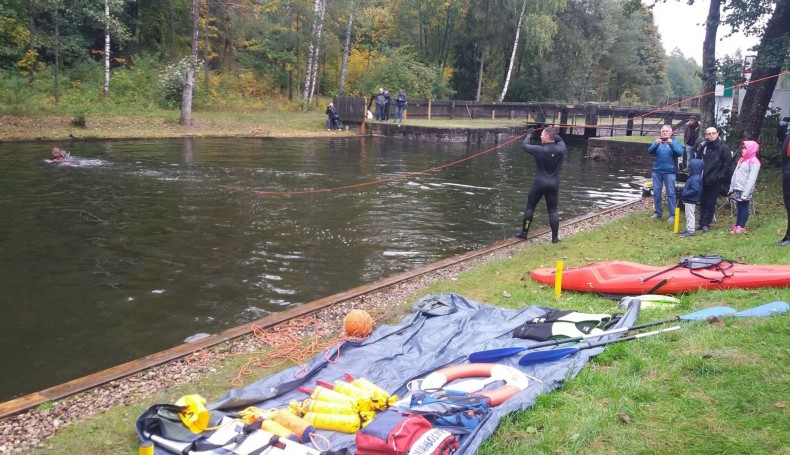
x,y
550,343
629,338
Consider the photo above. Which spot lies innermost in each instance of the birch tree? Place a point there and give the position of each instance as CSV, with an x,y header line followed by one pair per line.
x,y
189,81
319,8
513,54
341,85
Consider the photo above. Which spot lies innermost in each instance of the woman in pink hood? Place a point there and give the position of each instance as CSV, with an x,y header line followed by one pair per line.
x,y
742,183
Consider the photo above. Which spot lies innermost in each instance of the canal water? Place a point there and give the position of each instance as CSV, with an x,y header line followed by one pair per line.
x,y
134,246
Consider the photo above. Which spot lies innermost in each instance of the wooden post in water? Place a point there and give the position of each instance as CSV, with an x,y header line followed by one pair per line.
x,y
563,120
590,120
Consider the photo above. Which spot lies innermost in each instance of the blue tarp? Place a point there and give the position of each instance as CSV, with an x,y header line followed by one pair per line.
x,y
422,343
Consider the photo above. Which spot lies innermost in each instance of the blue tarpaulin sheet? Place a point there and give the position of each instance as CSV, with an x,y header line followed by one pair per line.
x,y
441,331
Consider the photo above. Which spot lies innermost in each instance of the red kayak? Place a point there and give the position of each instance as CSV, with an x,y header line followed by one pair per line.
x,y
631,278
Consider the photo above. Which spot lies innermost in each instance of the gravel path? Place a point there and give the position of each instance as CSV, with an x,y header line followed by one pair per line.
x,y
26,432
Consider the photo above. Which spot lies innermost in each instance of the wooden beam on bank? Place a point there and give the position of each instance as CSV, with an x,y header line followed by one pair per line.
x,y
94,380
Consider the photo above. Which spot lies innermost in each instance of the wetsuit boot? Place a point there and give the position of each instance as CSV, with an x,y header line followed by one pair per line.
x,y
554,223
524,229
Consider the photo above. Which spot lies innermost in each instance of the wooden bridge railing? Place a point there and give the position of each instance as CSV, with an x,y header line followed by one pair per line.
x,y
593,119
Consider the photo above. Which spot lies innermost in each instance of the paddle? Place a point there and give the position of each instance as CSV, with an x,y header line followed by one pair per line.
x,y
763,310
551,355
532,358
492,355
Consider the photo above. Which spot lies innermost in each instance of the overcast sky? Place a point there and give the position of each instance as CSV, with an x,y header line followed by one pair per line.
x,y
681,26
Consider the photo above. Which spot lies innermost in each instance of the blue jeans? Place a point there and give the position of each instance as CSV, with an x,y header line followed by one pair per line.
x,y
399,113
742,213
380,112
690,152
667,179
333,122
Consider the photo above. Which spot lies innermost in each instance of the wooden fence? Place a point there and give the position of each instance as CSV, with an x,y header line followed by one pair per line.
x,y
588,120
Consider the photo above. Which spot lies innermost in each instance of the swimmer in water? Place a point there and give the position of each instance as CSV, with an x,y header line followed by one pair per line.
x,y
59,155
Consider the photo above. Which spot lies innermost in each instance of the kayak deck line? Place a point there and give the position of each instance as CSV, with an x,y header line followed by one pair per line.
x,y
85,383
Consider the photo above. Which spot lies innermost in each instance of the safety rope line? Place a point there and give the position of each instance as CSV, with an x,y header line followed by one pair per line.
x,y
471,157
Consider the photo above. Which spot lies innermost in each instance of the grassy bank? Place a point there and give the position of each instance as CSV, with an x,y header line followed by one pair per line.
x,y
705,389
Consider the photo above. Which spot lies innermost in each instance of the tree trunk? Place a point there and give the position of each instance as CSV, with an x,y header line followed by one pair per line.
x,y
480,73
313,51
707,104
57,54
341,85
189,82
768,64
106,47
513,54
207,51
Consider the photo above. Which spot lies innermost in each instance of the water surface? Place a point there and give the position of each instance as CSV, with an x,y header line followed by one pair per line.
x,y
136,245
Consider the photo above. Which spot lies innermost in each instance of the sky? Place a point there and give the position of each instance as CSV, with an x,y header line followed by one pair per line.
x,y
681,26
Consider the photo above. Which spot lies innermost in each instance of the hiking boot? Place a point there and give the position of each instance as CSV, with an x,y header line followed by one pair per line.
x,y
655,216
671,219
686,234
784,242
705,229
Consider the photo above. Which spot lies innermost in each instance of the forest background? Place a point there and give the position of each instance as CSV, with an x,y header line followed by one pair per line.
x,y
85,58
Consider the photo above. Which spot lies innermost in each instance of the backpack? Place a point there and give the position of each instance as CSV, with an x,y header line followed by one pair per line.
x,y
395,432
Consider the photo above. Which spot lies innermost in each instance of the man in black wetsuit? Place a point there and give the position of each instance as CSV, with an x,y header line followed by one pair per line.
x,y
548,153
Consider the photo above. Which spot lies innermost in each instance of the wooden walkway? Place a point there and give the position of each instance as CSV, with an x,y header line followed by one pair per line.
x,y
588,120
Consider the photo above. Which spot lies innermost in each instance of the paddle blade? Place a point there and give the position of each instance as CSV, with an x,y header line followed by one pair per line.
x,y
763,310
551,355
703,315
492,355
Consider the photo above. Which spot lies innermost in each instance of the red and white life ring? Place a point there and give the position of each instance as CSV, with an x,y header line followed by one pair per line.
x,y
515,380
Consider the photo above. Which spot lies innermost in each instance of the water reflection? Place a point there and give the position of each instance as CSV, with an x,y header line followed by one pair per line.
x,y
138,245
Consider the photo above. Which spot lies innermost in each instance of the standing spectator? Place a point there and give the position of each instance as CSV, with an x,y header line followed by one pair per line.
x,y
785,151
690,196
548,154
380,102
401,101
387,104
742,184
332,120
690,137
716,171
667,149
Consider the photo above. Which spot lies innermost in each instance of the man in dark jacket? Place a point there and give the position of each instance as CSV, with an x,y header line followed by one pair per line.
x,y
785,152
690,137
716,157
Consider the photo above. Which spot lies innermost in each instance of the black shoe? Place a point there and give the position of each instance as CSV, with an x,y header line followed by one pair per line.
x,y
521,235
705,229
784,242
698,227
556,240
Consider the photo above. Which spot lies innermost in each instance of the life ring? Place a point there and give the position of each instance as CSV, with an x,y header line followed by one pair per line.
x,y
515,380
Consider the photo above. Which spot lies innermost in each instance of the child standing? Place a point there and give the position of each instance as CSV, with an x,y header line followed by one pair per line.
x,y
690,196
742,184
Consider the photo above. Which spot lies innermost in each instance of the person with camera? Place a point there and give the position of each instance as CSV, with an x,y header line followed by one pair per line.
x,y
716,174
548,149
667,149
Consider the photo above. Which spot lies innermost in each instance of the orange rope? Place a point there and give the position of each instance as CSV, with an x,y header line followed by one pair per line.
x,y
287,345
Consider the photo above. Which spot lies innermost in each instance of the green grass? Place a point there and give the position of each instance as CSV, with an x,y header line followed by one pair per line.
x,y
705,389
